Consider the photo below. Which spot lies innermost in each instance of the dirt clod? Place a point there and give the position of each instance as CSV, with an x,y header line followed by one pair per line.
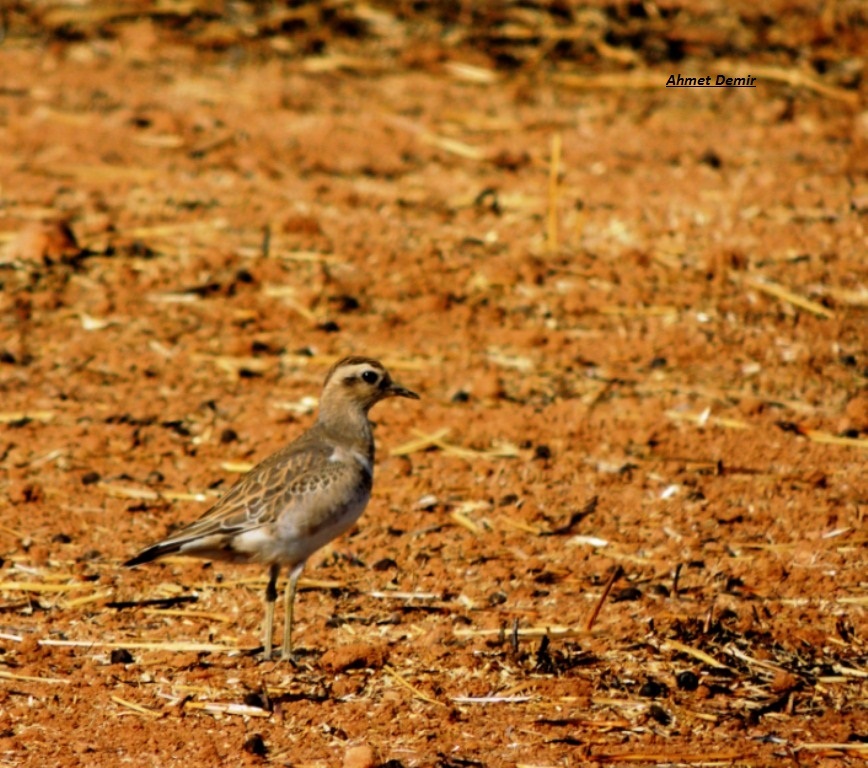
x,y
635,315
354,656
360,756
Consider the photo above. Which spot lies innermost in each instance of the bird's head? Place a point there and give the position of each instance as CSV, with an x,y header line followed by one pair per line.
x,y
360,382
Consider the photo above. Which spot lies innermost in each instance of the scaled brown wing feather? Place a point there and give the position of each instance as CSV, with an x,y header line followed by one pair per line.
x,y
251,501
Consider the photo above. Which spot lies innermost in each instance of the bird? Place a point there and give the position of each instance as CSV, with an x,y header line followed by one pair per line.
x,y
299,498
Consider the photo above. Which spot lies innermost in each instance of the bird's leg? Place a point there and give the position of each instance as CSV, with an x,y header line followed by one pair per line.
x,y
288,603
270,599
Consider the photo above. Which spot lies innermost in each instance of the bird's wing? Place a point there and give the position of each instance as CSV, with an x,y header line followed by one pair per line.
x,y
309,486
258,497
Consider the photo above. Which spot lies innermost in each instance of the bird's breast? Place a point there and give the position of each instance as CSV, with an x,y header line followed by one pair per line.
x,y
353,456
300,535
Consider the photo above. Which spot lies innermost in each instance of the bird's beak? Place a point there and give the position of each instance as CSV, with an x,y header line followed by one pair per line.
x,y
396,390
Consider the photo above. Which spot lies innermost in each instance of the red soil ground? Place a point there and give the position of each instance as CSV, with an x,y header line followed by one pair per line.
x,y
636,316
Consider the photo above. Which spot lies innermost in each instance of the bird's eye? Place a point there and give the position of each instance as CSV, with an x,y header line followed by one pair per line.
x,y
369,377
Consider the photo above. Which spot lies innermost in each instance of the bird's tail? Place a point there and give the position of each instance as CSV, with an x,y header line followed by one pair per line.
x,y
152,553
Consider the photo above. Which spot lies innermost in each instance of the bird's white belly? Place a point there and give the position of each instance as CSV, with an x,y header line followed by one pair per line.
x,y
292,541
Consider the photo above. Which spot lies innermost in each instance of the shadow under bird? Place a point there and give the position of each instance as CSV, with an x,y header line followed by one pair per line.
x,y
299,498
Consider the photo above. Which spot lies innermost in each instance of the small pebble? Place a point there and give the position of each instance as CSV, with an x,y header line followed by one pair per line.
x,y
121,656
652,689
48,241
255,745
542,452
427,502
659,714
627,594
360,756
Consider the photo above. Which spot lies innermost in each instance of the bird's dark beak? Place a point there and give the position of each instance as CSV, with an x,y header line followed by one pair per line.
x,y
396,390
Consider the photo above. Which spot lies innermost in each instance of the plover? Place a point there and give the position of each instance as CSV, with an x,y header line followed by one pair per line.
x,y
300,498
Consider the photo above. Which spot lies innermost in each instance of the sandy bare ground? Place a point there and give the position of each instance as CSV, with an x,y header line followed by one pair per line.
x,y
626,523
